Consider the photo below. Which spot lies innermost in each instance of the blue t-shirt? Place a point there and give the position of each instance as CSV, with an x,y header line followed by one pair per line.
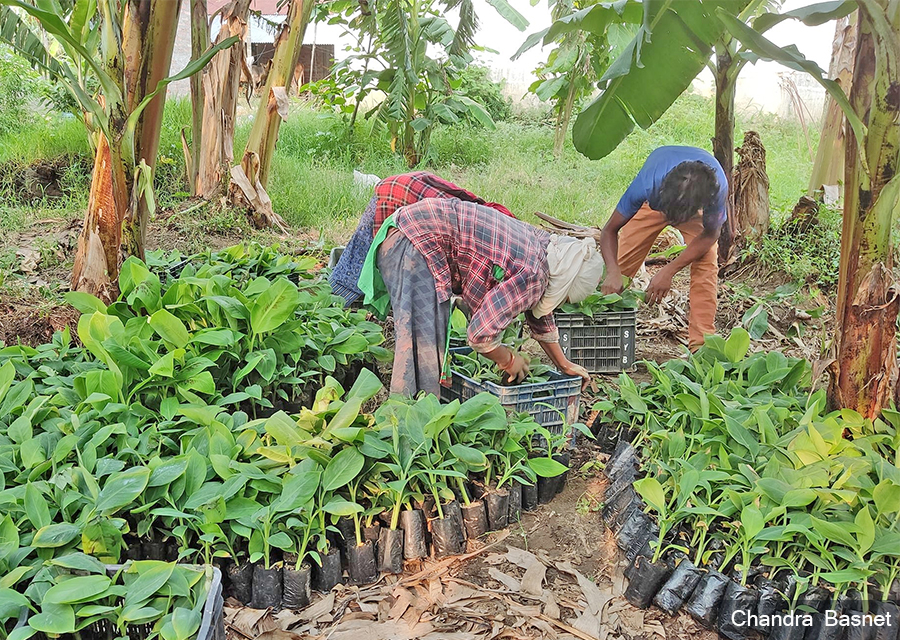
x,y
645,186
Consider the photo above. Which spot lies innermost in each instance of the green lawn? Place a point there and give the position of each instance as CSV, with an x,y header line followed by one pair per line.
x,y
312,177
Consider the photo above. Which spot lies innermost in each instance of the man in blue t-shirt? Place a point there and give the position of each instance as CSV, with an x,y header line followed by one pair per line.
x,y
686,188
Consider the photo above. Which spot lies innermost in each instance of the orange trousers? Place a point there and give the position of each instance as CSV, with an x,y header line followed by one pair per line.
x,y
635,241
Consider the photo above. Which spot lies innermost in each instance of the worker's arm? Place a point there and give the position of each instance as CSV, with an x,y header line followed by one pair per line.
x,y
544,331
499,307
698,247
609,248
510,362
566,366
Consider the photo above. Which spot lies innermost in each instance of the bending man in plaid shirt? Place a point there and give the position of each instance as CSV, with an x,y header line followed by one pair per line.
x,y
391,194
498,265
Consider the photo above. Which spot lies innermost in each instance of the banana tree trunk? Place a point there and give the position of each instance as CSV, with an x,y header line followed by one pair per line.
x,y
723,137
96,268
828,166
137,57
750,190
148,39
199,43
221,83
96,265
252,176
865,369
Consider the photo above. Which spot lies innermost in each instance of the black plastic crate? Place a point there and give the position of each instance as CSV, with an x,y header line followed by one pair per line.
x,y
603,343
542,400
212,624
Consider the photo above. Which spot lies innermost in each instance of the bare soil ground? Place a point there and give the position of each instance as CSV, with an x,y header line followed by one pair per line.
x,y
36,262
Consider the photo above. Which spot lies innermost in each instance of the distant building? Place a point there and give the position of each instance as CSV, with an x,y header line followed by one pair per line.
x,y
316,58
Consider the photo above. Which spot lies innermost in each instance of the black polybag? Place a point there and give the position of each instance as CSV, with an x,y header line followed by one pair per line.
x,y
153,550
414,545
636,534
240,576
678,588
497,503
266,587
515,503
859,632
736,611
348,532
704,603
547,488
361,563
625,479
296,589
452,510
623,456
390,550
329,574
771,601
645,580
891,612
529,497
445,537
636,505
636,525
475,519
615,511
788,632
372,533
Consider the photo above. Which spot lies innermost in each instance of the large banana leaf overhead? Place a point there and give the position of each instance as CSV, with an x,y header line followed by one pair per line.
x,y
672,46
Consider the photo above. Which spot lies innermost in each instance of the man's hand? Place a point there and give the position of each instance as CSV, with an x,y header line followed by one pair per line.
x,y
659,286
613,283
572,369
517,369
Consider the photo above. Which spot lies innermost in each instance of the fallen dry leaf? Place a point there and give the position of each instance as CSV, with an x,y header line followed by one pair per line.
x,y
402,602
319,609
249,622
596,599
533,580
551,607
506,580
588,623
278,634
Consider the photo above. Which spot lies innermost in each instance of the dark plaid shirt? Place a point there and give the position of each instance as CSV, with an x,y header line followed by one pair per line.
x,y
497,264
398,191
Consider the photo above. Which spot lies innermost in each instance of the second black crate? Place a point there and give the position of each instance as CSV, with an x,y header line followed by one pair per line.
x,y
603,343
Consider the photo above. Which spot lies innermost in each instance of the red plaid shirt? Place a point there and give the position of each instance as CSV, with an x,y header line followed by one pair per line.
x,y
496,263
408,188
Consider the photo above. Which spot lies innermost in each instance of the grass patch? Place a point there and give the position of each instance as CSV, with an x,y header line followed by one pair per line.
x,y
812,257
44,138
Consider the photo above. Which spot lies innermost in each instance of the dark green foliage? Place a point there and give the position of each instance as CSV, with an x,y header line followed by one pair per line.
x,y
144,436
596,303
744,465
475,82
481,369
